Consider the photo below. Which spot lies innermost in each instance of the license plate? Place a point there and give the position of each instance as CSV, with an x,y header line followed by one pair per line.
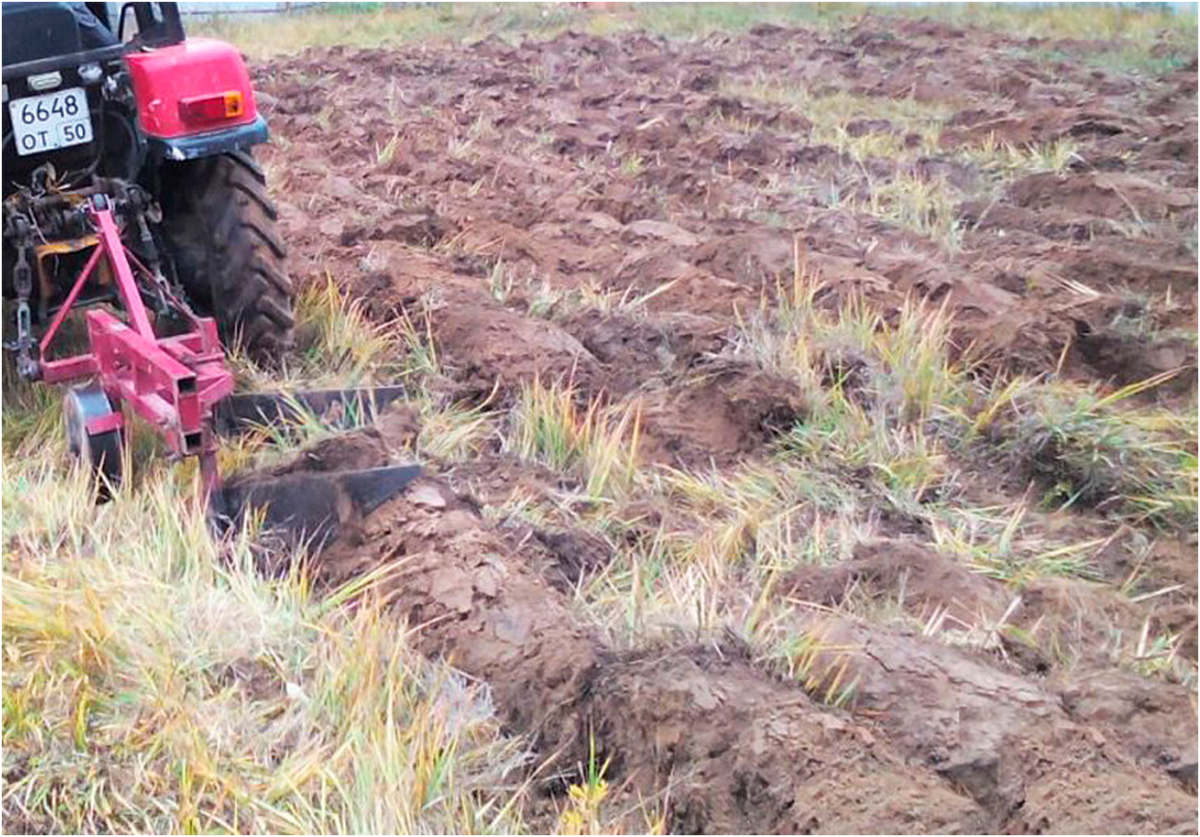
x,y
56,120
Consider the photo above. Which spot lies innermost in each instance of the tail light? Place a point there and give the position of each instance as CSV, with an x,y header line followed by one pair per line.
x,y
213,107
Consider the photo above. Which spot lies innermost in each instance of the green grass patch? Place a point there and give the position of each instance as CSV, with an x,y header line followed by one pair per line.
x,y
1135,30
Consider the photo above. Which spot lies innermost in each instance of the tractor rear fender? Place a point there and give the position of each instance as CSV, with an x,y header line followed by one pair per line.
x,y
194,99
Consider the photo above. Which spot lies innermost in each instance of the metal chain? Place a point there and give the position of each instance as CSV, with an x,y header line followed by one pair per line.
x,y
157,290
27,367
159,287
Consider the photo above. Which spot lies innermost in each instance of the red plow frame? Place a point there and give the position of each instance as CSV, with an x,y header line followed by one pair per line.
x,y
174,383
179,384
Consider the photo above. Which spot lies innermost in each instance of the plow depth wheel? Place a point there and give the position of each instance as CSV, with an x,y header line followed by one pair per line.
x,y
99,452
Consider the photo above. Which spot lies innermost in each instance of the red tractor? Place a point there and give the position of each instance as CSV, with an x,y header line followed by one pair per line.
x,y
129,188
172,121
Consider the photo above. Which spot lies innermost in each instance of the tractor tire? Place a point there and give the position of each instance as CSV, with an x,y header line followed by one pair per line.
x,y
220,229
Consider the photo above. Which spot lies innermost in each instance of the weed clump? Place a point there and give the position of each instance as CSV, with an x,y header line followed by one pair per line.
x,y
1089,449
597,443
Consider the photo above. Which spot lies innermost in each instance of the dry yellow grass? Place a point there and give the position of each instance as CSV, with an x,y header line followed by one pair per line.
x,y
155,681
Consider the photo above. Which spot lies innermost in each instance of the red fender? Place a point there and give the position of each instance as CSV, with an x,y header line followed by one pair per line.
x,y
195,87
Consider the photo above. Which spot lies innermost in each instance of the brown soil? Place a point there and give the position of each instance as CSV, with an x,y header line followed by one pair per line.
x,y
525,178
520,190
928,583
714,729
1011,745
937,738
716,413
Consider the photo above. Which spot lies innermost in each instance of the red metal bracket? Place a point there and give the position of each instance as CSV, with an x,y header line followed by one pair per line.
x,y
172,382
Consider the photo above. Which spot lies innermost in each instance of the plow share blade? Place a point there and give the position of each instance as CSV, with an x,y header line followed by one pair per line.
x,y
307,507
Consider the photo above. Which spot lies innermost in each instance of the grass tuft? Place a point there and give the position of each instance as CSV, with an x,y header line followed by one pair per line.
x,y
822,668
337,344
925,206
31,413
1008,161
1090,449
597,443
338,340
454,432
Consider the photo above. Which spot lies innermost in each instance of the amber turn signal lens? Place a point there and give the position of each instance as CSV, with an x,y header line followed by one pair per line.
x,y
233,104
212,107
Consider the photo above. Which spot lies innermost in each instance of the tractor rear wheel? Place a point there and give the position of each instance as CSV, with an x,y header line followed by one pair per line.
x,y
220,229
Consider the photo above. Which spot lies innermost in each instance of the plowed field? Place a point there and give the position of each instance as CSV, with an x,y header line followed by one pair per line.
x,y
884,540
